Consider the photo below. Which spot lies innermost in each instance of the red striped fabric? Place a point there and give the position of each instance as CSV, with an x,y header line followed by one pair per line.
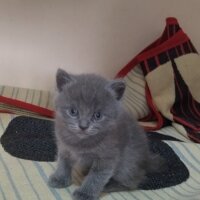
x,y
172,44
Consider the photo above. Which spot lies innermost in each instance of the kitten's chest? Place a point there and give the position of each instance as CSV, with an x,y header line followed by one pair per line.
x,y
79,152
77,155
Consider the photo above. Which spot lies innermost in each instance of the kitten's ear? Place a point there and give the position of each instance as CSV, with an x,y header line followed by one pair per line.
x,y
63,78
117,88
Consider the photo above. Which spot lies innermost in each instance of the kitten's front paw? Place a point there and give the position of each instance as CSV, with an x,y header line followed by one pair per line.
x,y
56,181
79,195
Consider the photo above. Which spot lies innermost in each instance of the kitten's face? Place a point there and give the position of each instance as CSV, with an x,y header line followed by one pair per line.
x,y
86,104
85,119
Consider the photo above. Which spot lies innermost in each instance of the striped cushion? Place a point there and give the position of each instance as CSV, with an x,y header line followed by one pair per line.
x,y
26,101
134,97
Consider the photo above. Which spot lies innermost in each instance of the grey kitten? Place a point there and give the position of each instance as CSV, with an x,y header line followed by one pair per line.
x,y
94,130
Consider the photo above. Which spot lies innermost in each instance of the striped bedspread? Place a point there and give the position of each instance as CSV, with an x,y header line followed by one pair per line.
x,y
27,180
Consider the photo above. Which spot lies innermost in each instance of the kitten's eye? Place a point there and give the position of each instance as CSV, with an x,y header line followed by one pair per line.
x,y
73,112
97,116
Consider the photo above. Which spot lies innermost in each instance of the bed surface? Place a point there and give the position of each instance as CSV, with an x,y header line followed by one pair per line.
x,y
24,179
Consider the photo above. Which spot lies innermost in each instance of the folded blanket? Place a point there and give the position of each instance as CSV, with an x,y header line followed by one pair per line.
x,y
171,68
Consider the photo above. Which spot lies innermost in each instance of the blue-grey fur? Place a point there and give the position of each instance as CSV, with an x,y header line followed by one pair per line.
x,y
94,130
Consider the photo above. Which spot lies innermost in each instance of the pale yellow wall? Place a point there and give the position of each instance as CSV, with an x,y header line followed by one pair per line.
x,y
101,36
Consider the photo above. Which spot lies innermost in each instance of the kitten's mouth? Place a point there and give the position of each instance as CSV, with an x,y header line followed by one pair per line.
x,y
84,133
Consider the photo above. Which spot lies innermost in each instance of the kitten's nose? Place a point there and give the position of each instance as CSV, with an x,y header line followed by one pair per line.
x,y
83,125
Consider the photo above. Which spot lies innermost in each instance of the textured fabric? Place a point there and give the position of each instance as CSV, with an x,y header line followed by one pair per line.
x,y
30,138
171,68
24,179
172,74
